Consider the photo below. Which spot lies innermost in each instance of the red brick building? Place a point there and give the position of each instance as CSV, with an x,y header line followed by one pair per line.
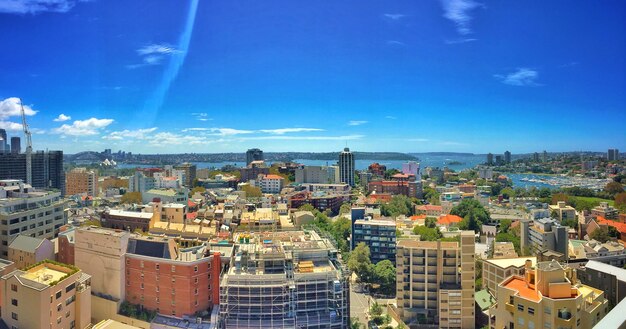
x,y
169,280
66,246
319,202
377,169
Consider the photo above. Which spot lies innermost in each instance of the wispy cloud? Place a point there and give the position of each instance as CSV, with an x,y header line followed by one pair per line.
x,y
394,17
62,117
195,129
163,139
458,11
308,138
395,43
92,126
460,40
36,6
201,116
390,117
229,131
141,134
161,49
523,77
356,122
282,131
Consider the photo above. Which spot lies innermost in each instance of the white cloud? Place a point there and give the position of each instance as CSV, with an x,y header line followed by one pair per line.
x,y
10,107
167,138
288,130
394,17
90,126
458,41
229,131
523,77
141,134
162,49
395,43
356,122
309,138
458,12
195,129
11,126
62,117
35,6
201,116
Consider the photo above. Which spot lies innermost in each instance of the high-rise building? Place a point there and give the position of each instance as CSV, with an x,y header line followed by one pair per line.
x,y
545,156
49,295
548,295
190,173
81,180
16,145
4,143
544,234
489,159
346,167
612,155
28,212
316,174
507,157
379,235
47,169
140,183
284,280
497,270
412,168
254,155
435,282
535,157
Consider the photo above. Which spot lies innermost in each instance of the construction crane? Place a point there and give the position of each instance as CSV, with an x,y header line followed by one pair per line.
x,y
29,147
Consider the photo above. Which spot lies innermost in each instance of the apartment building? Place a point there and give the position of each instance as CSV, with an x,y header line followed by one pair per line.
x,y
26,211
563,211
26,251
190,173
66,241
141,183
81,180
285,280
49,295
47,169
605,277
605,210
270,183
544,234
497,270
548,296
435,282
317,174
379,235
171,280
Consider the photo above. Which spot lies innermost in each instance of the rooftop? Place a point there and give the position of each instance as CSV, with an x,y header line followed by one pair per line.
x,y
619,273
26,243
519,285
508,262
133,214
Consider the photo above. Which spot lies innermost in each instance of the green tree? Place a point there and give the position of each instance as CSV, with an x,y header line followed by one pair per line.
x,y
508,237
385,275
399,205
613,188
508,193
620,201
556,197
131,197
345,208
431,195
355,323
376,309
505,224
473,214
427,233
252,191
360,262
307,207
197,189
391,172
430,222
600,234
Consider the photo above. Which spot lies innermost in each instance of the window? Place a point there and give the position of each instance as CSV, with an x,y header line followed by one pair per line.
x,y
70,287
520,307
142,285
531,310
58,295
141,264
173,268
72,324
59,307
520,321
13,287
14,316
547,310
531,325
195,268
70,300
195,280
67,315
59,319
156,266
14,302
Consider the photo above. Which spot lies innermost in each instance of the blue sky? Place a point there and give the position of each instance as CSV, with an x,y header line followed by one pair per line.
x,y
156,76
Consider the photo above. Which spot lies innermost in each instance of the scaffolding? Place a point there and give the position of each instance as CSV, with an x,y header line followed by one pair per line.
x,y
285,280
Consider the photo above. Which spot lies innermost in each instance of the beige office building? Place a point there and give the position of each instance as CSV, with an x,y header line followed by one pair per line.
x,y
548,296
563,211
81,180
497,270
435,282
46,296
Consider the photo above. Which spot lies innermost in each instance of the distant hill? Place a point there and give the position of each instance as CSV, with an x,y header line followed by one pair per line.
x,y
442,153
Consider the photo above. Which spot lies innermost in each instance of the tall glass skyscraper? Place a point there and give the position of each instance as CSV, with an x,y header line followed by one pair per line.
x,y
346,167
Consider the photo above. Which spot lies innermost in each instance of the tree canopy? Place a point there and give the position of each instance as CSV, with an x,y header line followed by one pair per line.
x,y
399,205
473,214
359,261
427,233
614,188
252,191
131,197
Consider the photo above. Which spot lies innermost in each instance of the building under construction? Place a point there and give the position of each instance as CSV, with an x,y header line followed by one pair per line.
x,y
285,280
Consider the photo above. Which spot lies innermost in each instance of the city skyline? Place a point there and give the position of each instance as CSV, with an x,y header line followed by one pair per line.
x,y
456,76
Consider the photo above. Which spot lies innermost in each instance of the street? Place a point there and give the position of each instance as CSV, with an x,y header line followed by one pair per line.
x,y
358,304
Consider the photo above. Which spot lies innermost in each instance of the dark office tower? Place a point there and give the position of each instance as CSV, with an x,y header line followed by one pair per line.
x,y
346,167
16,145
47,169
499,161
545,156
253,155
190,173
4,145
507,157
489,159
536,157
612,155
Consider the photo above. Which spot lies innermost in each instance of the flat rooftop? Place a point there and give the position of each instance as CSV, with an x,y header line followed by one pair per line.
x,y
507,262
523,290
133,214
